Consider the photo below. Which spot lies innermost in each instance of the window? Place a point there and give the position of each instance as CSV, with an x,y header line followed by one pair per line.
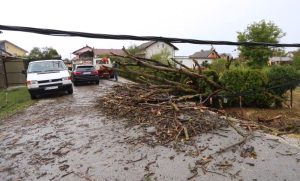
x,y
46,66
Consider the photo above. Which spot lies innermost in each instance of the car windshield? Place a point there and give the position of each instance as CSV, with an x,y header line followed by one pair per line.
x,y
85,68
46,66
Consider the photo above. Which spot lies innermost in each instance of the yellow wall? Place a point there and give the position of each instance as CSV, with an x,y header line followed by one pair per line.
x,y
14,50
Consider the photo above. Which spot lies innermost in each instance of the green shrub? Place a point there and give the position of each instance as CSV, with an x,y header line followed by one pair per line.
x,y
282,79
296,62
249,84
218,65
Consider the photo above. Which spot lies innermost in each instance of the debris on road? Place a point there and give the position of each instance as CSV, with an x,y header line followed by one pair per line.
x,y
159,112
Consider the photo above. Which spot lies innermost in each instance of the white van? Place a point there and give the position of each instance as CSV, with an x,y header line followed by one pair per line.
x,y
47,76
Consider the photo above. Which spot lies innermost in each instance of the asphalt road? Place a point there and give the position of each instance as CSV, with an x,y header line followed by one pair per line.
x,y
66,137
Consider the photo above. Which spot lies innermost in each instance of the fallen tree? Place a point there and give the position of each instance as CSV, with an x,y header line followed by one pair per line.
x,y
171,99
180,79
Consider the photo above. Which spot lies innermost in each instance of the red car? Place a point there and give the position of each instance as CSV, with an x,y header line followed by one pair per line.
x,y
104,67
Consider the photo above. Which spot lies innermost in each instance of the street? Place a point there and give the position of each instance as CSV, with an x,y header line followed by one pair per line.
x,y
66,137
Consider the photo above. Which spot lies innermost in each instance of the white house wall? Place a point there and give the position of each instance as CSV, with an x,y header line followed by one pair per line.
x,y
157,48
190,63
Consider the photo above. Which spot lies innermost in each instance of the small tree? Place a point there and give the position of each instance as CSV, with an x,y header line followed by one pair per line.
x,y
262,31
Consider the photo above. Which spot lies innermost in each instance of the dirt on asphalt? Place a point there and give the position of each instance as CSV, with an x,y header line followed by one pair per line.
x,y
66,137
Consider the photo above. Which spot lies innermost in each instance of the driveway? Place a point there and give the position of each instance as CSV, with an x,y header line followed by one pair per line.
x,y
66,137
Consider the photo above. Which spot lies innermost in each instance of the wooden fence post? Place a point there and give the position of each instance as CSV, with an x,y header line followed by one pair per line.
x,y
240,101
291,98
5,74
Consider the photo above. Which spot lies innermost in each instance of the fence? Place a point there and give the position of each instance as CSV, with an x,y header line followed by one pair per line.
x,y
11,72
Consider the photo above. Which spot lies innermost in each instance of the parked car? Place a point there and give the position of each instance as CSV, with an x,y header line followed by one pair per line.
x,y
47,76
84,73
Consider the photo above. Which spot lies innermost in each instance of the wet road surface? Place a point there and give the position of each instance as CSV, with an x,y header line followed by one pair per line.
x,y
67,138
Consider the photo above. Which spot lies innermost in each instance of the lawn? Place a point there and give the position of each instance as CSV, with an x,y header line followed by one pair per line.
x,y
13,101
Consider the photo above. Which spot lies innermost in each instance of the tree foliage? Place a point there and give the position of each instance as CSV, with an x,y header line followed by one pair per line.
x,y
43,53
163,56
259,32
247,83
134,50
296,60
282,79
219,65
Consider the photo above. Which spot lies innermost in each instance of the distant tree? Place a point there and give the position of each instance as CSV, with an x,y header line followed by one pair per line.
x,y
35,53
43,53
133,49
259,32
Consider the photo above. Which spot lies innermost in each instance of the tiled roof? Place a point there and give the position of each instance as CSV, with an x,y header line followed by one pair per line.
x,y
201,54
108,52
78,51
206,54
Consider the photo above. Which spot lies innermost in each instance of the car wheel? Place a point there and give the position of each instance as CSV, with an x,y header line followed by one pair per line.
x,y
33,96
75,83
70,91
97,82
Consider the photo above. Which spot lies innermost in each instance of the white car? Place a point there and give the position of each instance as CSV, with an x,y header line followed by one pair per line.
x,y
47,76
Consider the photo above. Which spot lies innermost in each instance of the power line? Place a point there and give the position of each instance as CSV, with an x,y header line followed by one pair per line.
x,y
54,32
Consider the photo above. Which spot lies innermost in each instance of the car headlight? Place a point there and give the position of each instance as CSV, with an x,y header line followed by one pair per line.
x,y
30,82
66,78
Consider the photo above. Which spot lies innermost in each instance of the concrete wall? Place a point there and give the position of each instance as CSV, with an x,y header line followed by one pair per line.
x,y
157,48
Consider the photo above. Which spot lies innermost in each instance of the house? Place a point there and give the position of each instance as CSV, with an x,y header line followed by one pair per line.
x,y
287,59
87,53
205,56
9,48
148,49
202,57
280,60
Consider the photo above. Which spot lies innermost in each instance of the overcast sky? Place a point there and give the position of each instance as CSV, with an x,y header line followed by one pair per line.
x,y
197,19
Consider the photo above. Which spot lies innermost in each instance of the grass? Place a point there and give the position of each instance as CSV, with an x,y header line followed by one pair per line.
x,y
13,101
